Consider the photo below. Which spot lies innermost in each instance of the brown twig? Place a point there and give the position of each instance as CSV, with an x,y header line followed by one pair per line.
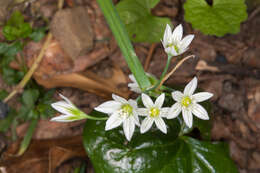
x,y
149,56
29,74
174,69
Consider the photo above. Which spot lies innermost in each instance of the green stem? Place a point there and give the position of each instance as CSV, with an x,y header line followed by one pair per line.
x,y
95,118
124,42
164,71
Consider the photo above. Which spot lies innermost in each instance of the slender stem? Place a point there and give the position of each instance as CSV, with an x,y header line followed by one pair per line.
x,y
29,74
122,38
164,72
96,118
173,70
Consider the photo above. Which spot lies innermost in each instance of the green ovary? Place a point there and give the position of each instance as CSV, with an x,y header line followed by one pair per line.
x,y
186,101
127,109
154,112
174,46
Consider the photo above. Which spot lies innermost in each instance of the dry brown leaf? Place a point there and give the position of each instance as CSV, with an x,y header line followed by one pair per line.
x,y
45,129
42,155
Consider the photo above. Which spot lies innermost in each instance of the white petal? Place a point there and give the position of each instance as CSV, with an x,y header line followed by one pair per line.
x,y
191,87
160,124
199,112
134,87
119,99
133,103
187,117
66,99
63,107
164,112
202,96
147,101
132,78
109,107
174,111
173,52
186,41
177,96
170,50
159,101
113,121
146,124
129,128
135,115
63,118
167,34
177,34
142,111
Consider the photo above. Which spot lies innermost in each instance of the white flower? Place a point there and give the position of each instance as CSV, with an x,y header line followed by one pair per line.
x,y
134,85
187,103
153,112
120,111
69,111
172,41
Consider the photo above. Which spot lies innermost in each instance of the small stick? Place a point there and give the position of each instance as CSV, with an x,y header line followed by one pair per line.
x,y
173,70
29,74
149,56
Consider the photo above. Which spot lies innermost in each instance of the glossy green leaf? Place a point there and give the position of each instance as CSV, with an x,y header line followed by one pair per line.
x,y
153,152
141,25
221,18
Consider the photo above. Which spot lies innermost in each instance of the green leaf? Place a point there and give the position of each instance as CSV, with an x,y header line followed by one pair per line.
x,y
29,97
3,94
27,139
6,122
141,25
3,48
37,34
16,27
221,18
153,152
16,19
121,36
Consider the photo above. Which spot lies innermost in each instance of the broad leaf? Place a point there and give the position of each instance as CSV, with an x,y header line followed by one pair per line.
x,y
141,25
221,18
153,152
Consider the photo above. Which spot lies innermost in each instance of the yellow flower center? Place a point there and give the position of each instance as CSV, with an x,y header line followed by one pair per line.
x,y
127,109
154,112
186,101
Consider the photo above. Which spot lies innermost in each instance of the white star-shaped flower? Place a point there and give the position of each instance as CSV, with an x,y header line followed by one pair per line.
x,y
120,111
153,112
69,111
173,43
187,103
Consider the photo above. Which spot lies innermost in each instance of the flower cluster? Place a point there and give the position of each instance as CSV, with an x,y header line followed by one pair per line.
x,y
126,112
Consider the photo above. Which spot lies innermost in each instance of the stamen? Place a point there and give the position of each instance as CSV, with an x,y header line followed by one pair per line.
x,y
154,112
186,101
127,109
